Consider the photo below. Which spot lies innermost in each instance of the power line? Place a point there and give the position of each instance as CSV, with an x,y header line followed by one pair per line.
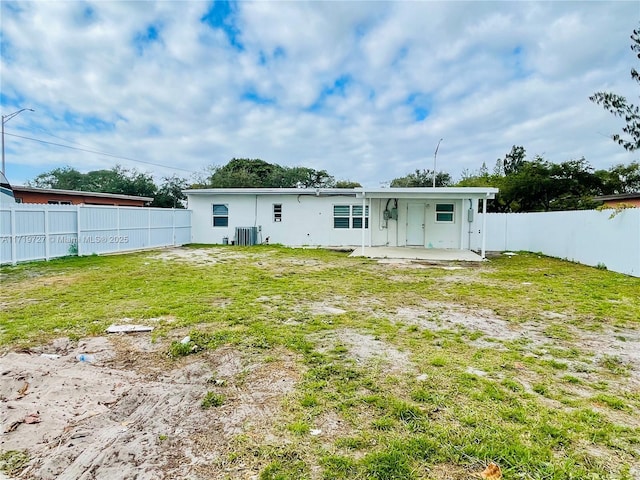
x,y
100,153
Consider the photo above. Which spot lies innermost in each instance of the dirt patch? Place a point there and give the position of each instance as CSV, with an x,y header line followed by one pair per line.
x,y
621,345
200,256
439,316
365,349
321,308
96,420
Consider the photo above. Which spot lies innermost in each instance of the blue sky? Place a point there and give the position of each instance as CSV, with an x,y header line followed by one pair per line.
x,y
361,89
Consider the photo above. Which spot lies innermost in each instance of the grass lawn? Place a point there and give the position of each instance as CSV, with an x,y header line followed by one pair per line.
x,y
396,371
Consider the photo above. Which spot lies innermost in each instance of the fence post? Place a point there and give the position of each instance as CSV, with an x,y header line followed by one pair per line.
x,y
14,254
118,225
173,228
46,234
78,230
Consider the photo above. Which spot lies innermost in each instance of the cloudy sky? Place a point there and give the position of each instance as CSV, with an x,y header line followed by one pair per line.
x,y
364,90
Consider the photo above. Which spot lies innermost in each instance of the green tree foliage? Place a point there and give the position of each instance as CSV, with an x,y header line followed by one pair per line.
x,y
618,105
422,178
539,185
620,179
65,178
115,180
303,177
244,173
170,195
256,173
347,184
514,160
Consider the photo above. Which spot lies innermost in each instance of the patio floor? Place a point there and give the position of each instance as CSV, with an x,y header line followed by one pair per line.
x,y
417,253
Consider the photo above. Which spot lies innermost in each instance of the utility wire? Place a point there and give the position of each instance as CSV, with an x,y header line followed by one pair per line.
x,y
100,153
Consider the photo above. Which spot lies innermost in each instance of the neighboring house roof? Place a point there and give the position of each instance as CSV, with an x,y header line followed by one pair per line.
x,y
421,192
621,196
115,196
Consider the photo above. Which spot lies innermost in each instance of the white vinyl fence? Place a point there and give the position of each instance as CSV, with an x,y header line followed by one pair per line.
x,y
589,237
41,232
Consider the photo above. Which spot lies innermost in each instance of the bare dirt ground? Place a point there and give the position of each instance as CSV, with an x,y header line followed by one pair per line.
x,y
125,416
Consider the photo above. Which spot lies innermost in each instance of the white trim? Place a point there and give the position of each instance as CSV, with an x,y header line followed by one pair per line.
x,y
453,212
420,192
213,216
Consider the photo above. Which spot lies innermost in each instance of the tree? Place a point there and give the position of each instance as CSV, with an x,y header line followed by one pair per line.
x,y
514,160
620,179
115,180
618,106
422,178
304,177
244,173
347,184
539,185
170,194
256,173
65,178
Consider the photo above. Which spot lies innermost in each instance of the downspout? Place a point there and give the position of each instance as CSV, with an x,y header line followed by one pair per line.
x,y
484,225
255,212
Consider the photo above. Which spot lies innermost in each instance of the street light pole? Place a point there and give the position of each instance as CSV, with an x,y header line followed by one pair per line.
x,y
435,154
5,119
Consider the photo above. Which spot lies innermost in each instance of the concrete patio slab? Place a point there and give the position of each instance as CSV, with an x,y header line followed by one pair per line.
x,y
417,253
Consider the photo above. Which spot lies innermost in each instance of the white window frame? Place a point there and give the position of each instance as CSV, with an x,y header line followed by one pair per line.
x,y
451,212
214,216
352,218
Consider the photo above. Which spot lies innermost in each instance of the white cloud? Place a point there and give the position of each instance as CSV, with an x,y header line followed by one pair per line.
x,y
490,75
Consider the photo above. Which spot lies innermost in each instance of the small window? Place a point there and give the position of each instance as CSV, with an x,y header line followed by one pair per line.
x,y
18,200
277,212
53,202
220,215
444,212
65,203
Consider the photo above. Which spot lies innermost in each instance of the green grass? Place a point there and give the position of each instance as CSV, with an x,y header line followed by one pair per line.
x,y
539,405
13,461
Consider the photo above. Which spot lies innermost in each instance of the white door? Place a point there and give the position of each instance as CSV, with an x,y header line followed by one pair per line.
x,y
415,225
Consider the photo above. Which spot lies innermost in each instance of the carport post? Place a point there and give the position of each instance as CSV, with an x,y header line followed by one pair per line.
x,y
484,224
364,230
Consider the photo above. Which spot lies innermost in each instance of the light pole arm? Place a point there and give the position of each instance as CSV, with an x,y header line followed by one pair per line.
x,y
5,119
435,154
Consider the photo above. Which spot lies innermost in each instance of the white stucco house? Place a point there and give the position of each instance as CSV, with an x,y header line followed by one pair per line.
x,y
438,218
